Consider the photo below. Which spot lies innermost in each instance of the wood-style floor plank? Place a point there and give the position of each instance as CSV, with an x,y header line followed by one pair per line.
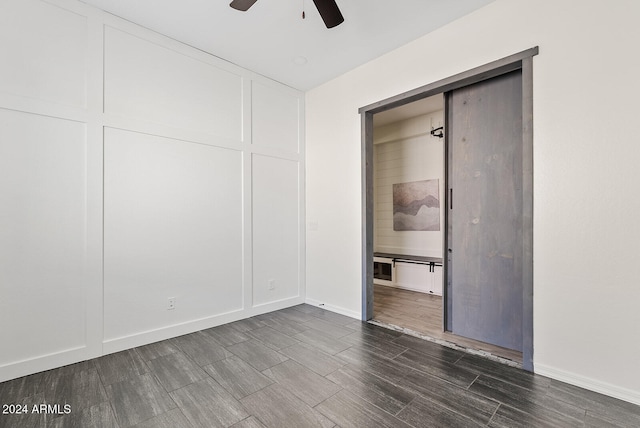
x,y
429,348
305,384
334,330
171,419
98,416
13,391
250,422
313,358
237,376
364,327
81,390
322,341
349,410
599,406
333,317
381,347
247,324
438,368
424,413
120,366
303,367
282,324
201,348
137,399
516,376
374,363
509,417
272,338
26,419
535,402
157,349
257,354
278,408
226,335
473,406
206,404
176,370
374,389
295,315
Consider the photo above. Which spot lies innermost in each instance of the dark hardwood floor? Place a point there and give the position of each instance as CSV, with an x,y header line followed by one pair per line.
x,y
304,367
422,313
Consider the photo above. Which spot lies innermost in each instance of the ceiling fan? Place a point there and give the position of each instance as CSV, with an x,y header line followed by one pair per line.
x,y
328,10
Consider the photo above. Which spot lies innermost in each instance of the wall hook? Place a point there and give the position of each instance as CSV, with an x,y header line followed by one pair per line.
x,y
435,134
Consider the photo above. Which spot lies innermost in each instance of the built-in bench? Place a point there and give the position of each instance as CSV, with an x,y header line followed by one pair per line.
x,y
417,273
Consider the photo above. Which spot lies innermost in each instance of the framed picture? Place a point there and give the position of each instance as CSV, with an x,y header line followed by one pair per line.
x,y
416,205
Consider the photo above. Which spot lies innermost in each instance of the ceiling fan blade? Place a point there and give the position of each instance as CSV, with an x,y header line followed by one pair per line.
x,y
329,12
242,5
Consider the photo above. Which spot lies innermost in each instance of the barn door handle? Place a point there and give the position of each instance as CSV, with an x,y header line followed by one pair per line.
x,y
450,199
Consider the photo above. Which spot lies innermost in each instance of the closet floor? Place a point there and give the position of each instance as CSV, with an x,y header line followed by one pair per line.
x,y
422,313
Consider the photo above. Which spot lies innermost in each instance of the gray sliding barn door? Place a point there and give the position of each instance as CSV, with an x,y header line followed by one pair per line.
x,y
485,240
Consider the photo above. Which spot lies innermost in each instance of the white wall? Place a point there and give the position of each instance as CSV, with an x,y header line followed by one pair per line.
x,y
586,233
405,151
134,169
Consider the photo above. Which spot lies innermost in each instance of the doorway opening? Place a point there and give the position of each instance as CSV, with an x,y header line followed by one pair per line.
x,y
409,227
412,285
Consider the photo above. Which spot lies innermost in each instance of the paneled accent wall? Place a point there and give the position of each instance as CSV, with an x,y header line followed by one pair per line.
x,y
147,80
134,170
405,152
276,251
44,52
43,247
173,228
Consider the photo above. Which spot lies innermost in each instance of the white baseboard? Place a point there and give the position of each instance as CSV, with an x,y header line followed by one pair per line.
x,y
336,309
41,363
118,344
591,384
144,338
65,357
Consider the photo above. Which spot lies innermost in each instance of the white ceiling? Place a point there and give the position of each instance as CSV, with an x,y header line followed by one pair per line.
x,y
271,38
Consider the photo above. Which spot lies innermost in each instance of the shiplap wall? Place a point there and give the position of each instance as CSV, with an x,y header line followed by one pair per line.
x,y
134,169
405,152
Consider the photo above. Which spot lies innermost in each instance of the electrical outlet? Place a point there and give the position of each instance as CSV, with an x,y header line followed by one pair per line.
x,y
271,284
171,303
